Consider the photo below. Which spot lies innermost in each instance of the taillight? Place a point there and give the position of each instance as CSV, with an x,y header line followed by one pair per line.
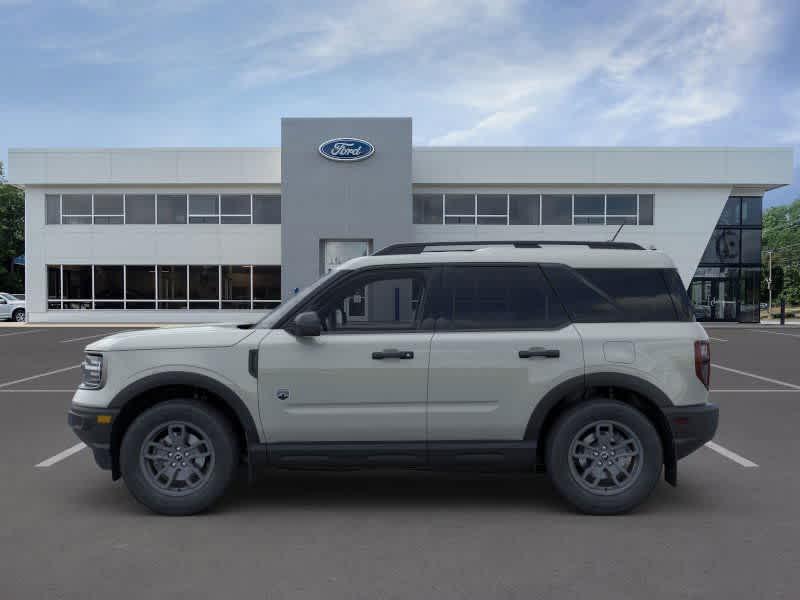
x,y
702,361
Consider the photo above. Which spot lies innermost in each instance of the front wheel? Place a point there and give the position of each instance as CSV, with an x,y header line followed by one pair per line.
x,y
604,457
18,316
178,457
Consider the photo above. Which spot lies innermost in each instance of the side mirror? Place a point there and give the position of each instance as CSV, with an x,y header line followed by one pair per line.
x,y
307,324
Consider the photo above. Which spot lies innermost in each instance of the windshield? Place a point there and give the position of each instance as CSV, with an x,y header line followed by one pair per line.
x,y
285,307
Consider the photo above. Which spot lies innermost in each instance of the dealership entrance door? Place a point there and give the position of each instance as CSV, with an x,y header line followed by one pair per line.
x,y
714,299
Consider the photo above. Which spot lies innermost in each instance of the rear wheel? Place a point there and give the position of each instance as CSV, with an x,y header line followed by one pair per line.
x,y
18,315
178,457
604,457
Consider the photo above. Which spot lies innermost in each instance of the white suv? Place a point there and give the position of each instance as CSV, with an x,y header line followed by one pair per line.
x,y
579,359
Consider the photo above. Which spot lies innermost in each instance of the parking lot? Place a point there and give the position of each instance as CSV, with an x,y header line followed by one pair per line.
x,y
729,530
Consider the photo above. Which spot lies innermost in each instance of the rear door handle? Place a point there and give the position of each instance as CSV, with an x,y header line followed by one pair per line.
x,y
392,353
540,353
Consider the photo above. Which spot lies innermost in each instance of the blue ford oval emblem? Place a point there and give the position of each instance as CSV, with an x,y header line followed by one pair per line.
x,y
346,149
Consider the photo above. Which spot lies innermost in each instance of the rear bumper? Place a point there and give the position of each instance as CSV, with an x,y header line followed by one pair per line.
x,y
93,432
692,426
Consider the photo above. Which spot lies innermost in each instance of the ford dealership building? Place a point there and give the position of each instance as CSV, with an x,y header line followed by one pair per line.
x,y
210,234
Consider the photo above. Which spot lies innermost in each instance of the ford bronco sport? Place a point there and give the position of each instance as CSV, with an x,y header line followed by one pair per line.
x,y
580,359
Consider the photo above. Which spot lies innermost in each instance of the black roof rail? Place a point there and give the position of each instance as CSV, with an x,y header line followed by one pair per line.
x,y
420,247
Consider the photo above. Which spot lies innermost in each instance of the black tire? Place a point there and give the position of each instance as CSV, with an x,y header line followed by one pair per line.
x,y
640,473
200,417
18,315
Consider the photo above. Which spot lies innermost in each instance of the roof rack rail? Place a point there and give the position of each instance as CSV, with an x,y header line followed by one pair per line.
x,y
420,247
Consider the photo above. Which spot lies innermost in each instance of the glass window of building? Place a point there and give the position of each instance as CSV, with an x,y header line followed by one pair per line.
x,y
492,209
203,286
53,287
171,209
459,209
204,208
140,209
428,209
266,286
523,209
751,211
731,213
621,209
235,208
172,286
589,209
646,209
108,287
108,209
77,286
556,209
53,209
236,287
76,209
140,286
266,209
751,246
723,247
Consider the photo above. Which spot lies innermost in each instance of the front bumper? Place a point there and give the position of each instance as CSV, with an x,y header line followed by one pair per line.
x,y
93,427
692,426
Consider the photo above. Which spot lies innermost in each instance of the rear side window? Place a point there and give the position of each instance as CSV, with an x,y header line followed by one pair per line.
x,y
680,299
614,295
498,298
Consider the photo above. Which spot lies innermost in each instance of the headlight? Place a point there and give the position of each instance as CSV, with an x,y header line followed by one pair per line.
x,y
92,372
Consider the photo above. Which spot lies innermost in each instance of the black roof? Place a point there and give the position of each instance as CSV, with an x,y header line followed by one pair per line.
x,y
420,247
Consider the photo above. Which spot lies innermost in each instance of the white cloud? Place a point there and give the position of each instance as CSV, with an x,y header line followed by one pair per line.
x,y
680,65
496,122
308,44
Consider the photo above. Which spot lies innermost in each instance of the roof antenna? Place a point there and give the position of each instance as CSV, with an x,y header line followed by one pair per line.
x,y
613,239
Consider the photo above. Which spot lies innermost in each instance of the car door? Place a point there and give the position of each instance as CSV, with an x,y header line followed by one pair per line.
x,y
361,380
502,342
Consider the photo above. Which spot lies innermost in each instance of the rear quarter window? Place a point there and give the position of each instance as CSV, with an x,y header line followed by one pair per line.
x,y
618,295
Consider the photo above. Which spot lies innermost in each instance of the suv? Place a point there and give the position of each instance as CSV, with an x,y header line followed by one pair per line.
x,y
582,360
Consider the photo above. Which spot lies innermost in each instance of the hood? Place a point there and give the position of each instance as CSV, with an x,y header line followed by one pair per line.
x,y
200,336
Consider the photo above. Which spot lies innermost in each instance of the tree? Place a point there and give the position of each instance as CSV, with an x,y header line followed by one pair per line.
x,y
781,235
12,234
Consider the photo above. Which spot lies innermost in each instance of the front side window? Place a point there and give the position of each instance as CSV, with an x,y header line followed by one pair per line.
x,y
497,298
374,301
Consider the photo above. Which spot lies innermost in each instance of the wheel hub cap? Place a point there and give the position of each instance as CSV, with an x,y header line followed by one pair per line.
x,y
605,457
177,458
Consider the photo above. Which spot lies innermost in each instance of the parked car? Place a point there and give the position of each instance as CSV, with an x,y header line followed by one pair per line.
x,y
580,360
12,307
763,306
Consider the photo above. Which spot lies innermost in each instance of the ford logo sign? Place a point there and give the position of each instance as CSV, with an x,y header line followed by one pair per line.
x,y
351,149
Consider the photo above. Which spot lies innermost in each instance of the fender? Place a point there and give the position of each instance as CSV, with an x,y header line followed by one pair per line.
x,y
577,387
221,390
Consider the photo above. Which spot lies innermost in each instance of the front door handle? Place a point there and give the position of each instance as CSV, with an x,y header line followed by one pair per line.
x,y
540,353
392,353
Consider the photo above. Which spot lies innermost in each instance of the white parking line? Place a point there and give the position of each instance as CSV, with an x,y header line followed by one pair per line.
x,y
24,379
88,337
49,391
717,339
22,332
754,376
774,332
751,391
741,460
49,462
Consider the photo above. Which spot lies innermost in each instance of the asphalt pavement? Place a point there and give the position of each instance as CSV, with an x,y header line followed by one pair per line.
x,y
729,530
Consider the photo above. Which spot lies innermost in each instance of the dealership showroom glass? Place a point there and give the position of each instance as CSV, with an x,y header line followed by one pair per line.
x,y
202,234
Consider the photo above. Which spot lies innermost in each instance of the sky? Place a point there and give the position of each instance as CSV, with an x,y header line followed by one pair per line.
x,y
105,73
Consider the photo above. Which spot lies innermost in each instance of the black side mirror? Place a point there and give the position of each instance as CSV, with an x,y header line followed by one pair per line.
x,y
307,324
